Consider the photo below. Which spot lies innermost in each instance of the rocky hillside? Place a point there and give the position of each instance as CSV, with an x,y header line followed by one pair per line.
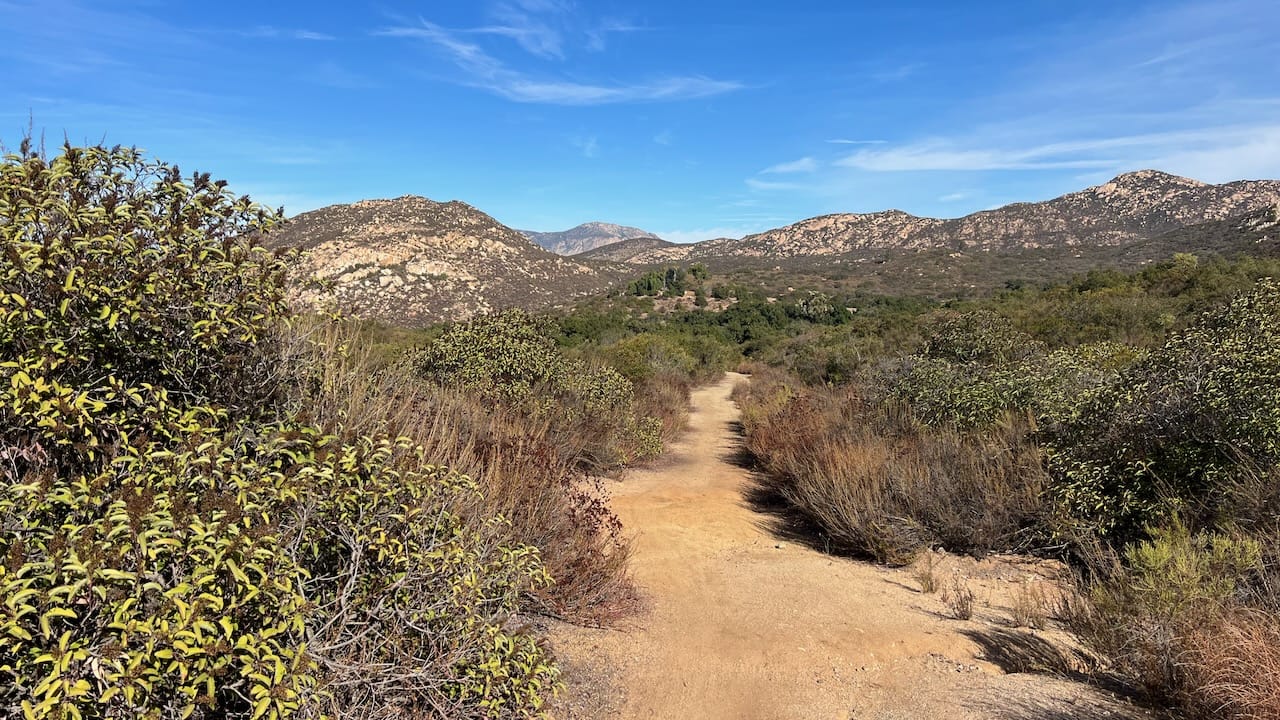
x,y
625,250
585,237
1254,233
411,261
1131,207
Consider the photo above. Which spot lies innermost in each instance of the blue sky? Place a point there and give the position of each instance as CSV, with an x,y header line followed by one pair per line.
x,y
690,119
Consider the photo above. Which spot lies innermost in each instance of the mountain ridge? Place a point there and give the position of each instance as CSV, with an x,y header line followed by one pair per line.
x,y
585,237
414,261
1128,207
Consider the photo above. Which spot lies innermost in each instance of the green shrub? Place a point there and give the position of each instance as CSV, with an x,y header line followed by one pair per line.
x,y
646,355
978,336
1144,608
512,358
172,544
1179,427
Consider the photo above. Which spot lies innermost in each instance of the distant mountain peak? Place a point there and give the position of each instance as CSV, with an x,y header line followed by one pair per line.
x,y
585,237
1129,207
413,261
1148,178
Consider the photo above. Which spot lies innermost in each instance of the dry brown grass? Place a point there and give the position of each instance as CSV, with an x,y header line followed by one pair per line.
x,y
959,599
1232,666
925,573
526,472
881,485
665,397
1031,605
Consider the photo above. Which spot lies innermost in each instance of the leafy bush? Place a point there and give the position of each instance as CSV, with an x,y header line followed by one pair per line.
x,y
1144,606
1178,426
121,283
647,355
172,543
512,358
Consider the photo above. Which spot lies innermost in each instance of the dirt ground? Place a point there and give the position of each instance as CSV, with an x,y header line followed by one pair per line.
x,y
742,625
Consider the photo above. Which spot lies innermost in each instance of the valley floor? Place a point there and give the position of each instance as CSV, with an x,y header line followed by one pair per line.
x,y
743,625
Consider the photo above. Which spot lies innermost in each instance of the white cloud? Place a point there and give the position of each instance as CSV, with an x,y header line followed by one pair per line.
x,y
590,146
489,73
770,186
803,165
271,32
842,141
664,138
534,26
953,197
1214,154
598,36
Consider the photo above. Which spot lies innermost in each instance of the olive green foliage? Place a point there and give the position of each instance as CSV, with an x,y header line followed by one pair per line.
x,y
1178,427
670,281
1147,605
171,543
976,367
818,307
644,356
119,280
512,358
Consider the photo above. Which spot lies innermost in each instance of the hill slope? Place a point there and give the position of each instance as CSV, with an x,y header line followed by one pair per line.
x,y
412,261
585,237
624,250
1130,207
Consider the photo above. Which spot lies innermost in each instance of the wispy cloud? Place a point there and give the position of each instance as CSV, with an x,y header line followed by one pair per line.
x,y
803,165
334,75
535,26
590,146
842,141
484,70
1213,153
897,73
666,137
954,197
598,35
771,186
271,32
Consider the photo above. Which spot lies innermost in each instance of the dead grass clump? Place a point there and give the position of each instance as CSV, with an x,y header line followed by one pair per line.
x,y
665,397
527,470
959,599
881,485
1232,666
1031,606
925,573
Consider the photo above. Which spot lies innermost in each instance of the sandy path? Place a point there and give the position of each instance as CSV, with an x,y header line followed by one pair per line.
x,y
743,626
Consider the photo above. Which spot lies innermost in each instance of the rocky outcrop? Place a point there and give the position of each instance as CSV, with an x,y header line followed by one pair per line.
x,y
411,261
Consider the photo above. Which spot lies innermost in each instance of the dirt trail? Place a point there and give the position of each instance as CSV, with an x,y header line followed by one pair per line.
x,y
743,626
